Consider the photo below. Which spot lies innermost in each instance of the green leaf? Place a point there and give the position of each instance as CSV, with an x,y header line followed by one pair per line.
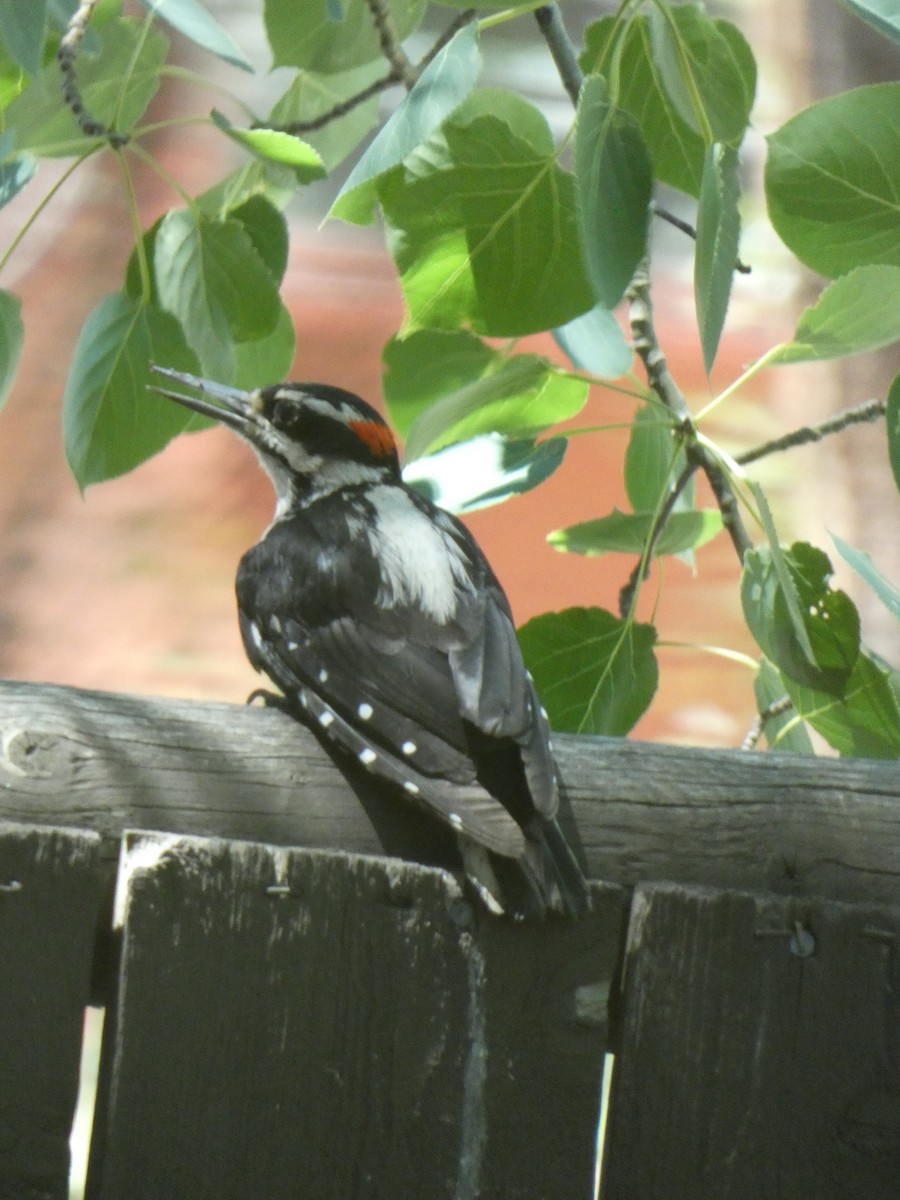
x,y
272,145
311,39
864,721
268,359
892,421
210,277
614,184
12,335
862,564
22,29
13,80
267,229
111,422
789,594
42,123
311,95
833,180
650,458
195,23
444,83
624,56
627,533
492,240
483,471
594,673
785,732
718,234
860,311
134,284
14,175
828,618
883,15
255,177
594,342
523,397
426,366
706,68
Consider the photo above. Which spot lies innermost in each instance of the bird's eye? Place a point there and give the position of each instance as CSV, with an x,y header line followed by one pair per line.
x,y
283,413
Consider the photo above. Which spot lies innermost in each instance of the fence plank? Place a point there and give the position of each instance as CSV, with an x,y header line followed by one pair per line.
x,y
759,1051
310,1025
790,824
49,900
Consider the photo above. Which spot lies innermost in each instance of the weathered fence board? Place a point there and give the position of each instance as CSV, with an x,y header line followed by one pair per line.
x,y
759,1053
307,1026
294,1023
49,897
758,822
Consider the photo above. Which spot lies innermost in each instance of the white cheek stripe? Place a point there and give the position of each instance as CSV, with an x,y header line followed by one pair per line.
x,y
422,564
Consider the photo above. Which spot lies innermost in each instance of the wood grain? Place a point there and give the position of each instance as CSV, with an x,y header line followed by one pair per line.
x,y
759,1052
312,1026
779,823
49,898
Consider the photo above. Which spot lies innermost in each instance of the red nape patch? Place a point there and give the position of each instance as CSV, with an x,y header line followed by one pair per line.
x,y
376,436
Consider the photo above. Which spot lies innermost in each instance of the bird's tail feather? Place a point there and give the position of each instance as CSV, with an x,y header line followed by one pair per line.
x,y
545,879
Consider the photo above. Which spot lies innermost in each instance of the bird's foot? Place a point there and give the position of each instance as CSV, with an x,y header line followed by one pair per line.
x,y
269,699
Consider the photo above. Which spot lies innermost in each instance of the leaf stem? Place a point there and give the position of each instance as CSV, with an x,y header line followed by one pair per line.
x,y
185,75
140,249
508,14
64,178
745,377
154,165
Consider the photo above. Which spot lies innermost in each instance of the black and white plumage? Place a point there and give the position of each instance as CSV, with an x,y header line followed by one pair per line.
x,y
381,622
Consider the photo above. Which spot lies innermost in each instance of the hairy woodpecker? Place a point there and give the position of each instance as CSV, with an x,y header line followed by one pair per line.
x,y
380,620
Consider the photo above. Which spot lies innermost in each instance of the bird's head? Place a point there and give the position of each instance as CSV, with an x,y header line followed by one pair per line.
x,y
311,438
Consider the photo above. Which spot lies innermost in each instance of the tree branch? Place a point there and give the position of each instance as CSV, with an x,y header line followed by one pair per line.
x,y
871,410
297,128
560,45
688,228
642,567
401,68
777,709
663,384
65,56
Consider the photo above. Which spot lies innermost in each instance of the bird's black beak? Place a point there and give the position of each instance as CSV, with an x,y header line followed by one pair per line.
x,y
232,407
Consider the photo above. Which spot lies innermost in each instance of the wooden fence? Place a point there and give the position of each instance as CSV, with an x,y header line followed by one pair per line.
x,y
291,1017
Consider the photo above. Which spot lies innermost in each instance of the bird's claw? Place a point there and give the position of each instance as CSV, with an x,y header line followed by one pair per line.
x,y
269,699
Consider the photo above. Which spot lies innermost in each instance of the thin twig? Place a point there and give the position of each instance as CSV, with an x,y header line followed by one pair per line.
x,y
871,410
688,228
725,497
65,56
447,36
341,109
642,567
550,23
646,345
776,709
401,68
663,384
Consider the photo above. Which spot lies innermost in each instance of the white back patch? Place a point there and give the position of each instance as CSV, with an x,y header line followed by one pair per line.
x,y
422,564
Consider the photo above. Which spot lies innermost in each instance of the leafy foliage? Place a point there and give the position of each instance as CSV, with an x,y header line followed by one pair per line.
x,y
499,228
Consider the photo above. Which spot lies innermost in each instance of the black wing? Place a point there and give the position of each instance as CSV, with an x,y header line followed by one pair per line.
x,y
441,707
